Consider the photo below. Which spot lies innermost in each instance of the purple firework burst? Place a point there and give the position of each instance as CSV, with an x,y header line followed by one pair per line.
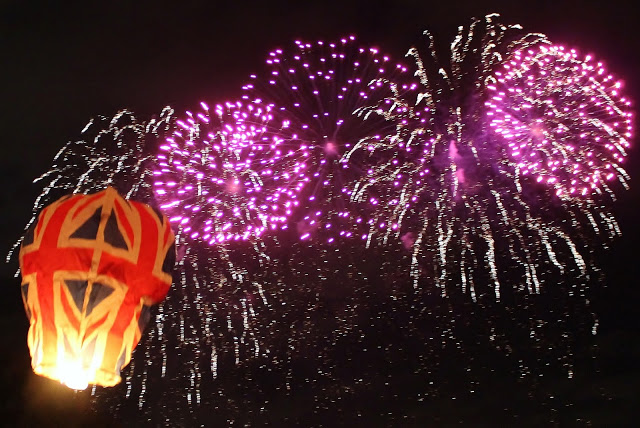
x,y
227,175
563,118
322,88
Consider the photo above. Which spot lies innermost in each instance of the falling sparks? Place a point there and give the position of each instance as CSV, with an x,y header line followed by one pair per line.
x,y
116,152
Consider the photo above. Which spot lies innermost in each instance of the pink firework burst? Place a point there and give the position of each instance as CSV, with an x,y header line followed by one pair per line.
x,y
227,174
323,89
564,119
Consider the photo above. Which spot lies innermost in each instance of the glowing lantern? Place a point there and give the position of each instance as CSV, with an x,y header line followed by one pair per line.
x,y
91,267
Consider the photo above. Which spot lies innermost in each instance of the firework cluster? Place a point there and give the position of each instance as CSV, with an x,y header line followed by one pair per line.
x,y
345,193
280,157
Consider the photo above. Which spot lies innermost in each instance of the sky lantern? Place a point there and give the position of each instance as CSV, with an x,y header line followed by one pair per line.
x,y
92,265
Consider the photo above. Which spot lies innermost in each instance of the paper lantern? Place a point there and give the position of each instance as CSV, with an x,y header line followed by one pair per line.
x,y
91,267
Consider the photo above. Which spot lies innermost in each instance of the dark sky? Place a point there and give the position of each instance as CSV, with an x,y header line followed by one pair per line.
x,y
65,62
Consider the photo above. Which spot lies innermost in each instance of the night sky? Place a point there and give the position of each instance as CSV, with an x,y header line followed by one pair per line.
x,y
64,63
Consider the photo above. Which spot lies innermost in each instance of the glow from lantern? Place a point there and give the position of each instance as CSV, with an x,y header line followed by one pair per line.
x,y
90,324
73,373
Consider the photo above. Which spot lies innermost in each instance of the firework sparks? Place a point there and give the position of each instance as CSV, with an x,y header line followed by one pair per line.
x,y
116,152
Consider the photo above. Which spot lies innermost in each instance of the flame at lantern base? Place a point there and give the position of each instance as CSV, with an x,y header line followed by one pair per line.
x,y
74,375
77,376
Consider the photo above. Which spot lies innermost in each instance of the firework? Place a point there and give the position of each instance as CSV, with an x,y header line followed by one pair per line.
x,y
320,87
449,192
563,118
229,174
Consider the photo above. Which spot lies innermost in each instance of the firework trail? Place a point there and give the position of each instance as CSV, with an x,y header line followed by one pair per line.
x,y
447,185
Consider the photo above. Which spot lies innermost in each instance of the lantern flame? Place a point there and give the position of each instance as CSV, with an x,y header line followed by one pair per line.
x,y
71,373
